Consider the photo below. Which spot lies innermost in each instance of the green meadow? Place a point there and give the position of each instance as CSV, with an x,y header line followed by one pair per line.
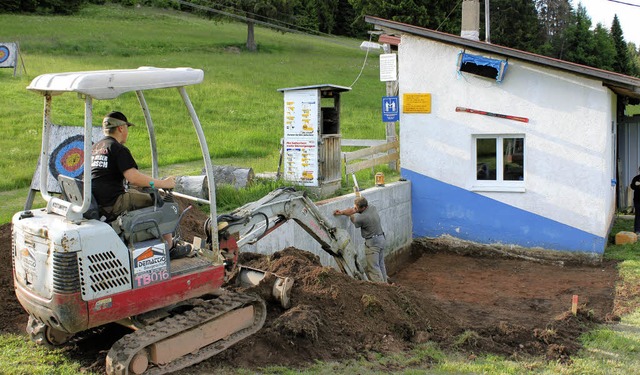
x,y
238,103
242,115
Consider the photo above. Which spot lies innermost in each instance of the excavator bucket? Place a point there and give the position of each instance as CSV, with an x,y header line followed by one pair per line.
x,y
347,258
280,290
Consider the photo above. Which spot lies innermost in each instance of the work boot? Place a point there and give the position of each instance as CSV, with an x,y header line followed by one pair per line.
x,y
181,250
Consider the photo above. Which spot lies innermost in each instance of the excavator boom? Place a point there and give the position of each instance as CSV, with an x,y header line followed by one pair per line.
x,y
256,219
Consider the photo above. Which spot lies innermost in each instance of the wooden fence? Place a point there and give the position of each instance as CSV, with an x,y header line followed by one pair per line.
x,y
369,157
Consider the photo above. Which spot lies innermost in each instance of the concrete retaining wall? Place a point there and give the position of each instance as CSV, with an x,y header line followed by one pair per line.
x,y
393,202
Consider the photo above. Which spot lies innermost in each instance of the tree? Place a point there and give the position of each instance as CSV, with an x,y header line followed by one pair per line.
x,y
605,52
254,10
622,62
555,16
438,15
578,43
41,6
635,59
515,24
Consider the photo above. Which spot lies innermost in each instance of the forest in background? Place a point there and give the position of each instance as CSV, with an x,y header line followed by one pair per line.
x,y
547,27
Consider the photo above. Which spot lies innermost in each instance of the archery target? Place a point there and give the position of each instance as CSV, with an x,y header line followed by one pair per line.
x,y
4,54
66,155
68,158
8,55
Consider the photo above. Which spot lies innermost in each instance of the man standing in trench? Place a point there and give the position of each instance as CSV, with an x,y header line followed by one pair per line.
x,y
367,219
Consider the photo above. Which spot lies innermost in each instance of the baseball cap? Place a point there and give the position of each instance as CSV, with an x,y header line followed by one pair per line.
x,y
115,119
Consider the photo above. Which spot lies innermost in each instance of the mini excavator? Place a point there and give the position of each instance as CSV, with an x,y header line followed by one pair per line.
x,y
74,271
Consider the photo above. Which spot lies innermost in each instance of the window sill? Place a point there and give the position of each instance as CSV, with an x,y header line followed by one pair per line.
x,y
499,188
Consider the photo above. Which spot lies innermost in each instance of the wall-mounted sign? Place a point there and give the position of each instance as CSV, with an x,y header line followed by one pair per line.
x,y
390,109
388,67
416,103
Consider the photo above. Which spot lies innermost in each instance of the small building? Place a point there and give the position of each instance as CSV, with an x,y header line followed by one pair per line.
x,y
311,143
508,147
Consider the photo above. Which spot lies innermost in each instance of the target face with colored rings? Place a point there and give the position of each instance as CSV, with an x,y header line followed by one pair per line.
x,y
68,158
4,53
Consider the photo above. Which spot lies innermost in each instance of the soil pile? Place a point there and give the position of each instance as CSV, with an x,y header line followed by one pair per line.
x,y
334,316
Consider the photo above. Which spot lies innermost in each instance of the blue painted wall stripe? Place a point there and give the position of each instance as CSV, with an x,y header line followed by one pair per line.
x,y
439,208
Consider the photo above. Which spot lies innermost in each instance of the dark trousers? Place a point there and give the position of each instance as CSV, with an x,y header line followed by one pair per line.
x,y
636,222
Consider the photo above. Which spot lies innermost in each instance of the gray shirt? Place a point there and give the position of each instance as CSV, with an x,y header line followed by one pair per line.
x,y
368,222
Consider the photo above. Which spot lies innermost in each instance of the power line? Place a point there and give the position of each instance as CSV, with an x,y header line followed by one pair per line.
x,y
327,37
449,15
622,2
232,15
298,29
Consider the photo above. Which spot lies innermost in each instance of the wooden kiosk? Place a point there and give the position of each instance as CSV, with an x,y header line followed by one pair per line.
x,y
311,144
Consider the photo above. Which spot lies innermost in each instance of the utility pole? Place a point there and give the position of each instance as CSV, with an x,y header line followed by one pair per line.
x,y
487,28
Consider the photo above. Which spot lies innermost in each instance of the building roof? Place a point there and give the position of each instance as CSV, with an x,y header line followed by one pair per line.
x,y
322,87
619,83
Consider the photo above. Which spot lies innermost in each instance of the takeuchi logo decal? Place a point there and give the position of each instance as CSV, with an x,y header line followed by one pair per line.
x,y
68,158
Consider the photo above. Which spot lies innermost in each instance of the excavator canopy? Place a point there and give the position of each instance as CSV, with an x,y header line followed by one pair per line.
x,y
109,84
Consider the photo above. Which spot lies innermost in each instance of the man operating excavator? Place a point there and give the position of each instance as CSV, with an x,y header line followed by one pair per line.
x,y
112,164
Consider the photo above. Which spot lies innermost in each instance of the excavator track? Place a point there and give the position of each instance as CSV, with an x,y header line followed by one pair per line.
x,y
119,358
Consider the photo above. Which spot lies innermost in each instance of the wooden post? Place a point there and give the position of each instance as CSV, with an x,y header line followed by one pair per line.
x,y
390,127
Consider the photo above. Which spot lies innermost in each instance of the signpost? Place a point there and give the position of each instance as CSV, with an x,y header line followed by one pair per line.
x,y
390,109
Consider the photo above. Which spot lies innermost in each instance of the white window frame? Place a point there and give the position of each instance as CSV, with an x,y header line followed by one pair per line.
x,y
499,184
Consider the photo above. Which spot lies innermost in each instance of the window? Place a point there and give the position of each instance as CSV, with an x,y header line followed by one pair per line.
x,y
499,163
482,66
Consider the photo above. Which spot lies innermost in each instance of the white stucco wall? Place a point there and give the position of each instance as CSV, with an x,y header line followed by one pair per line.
x,y
569,149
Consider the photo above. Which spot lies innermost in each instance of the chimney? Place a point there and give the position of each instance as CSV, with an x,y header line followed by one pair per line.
x,y
470,19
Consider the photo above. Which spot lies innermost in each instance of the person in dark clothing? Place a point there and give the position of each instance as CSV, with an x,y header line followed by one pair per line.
x,y
112,165
367,219
635,185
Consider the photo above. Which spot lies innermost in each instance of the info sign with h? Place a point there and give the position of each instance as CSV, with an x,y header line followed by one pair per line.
x,y
390,109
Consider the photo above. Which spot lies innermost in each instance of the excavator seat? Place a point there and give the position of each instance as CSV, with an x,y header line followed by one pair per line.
x,y
134,226
147,223
72,189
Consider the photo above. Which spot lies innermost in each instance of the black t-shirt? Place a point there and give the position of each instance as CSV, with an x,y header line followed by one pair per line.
x,y
109,161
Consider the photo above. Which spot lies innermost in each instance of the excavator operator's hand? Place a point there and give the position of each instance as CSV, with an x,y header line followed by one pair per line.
x,y
337,212
169,183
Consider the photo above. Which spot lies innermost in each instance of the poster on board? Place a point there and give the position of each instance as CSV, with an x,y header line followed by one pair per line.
x,y
301,121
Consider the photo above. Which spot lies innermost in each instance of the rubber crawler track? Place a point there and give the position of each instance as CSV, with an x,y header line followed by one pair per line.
x,y
123,350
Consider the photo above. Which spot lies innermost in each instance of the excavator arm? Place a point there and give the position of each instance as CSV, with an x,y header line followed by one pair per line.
x,y
254,220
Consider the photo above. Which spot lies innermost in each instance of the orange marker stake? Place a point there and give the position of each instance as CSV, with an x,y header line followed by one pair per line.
x,y
574,304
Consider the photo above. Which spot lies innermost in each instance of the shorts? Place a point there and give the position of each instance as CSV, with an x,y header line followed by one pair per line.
x,y
129,201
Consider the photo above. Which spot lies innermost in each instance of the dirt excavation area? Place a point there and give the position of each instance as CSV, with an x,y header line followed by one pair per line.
x,y
469,303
